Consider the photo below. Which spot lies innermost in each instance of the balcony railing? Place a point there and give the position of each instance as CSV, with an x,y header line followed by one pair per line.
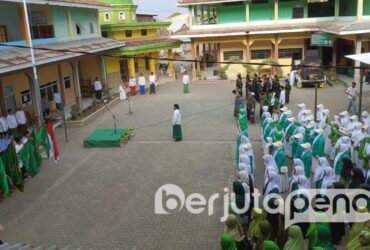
x,y
42,31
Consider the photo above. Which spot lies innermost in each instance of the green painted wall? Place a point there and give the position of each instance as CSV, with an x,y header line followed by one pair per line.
x,y
286,8
60,22
349,7
231,13
366,8
129,10
84,17
262,11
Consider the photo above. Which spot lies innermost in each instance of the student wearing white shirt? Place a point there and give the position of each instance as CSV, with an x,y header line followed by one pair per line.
x,y
282,97
132,85
12,124
98,88
152,81
142,83
176,123
352,93
22,120
58,101
3,127
185,82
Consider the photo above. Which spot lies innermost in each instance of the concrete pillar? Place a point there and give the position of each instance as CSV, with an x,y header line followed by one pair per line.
x,y
276,10
360,8
204,58
337,8
103,72
171,71
358,46
335,49
61,83
76,84
276,53
191,14
23,23
247,15
152,63
36,98
2,99
70,23
198,58
193,57
131,66
248,50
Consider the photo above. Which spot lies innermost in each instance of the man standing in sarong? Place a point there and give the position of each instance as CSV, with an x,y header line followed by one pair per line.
x,y
176,123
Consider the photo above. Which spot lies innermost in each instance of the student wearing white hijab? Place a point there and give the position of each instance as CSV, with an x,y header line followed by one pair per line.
x,y
302,108
344,119
245,160
329,178
248,151
270,161
319,173
268,169
365,118
272,185
343,153
303,182
298,162
268,145
356,136
352,123
297,171
122,92
320,112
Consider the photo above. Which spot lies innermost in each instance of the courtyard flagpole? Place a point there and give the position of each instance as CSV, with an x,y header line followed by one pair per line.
x,y
35,83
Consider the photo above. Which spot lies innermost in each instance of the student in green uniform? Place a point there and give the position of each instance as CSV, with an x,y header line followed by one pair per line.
x,y
307,159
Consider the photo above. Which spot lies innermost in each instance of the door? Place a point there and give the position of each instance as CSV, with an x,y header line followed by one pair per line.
x,y
124,71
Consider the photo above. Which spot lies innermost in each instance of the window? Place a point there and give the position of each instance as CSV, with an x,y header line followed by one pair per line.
x,y
49,89
147,65
290,53
260,54
106,16
205,14
91,28
128,33
228,55
67,82
144,32
26,98
3,34
122,16
104,34
78,29
298,12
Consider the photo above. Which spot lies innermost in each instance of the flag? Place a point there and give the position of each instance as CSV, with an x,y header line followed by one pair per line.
x,y
43,139
4,187
10,161
27,156
52,141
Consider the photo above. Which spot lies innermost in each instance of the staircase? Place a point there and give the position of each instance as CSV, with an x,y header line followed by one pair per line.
x,y
7,246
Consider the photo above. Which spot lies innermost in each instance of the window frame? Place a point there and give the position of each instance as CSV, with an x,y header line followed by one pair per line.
x,y
259,52
128,33
28,94
144,32
123,14
49,89
106,16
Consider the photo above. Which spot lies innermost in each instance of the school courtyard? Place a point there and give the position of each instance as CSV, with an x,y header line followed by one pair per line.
x,y
104,198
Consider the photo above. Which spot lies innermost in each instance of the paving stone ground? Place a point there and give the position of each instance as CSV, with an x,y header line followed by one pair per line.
x,y
104,198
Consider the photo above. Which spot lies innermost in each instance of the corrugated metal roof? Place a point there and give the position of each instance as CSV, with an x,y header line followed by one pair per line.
x,y
15,58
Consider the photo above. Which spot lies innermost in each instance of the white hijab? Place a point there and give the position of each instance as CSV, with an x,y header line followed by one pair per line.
x,y
298,162
303,182
273,182
319,173
342,149
329,178
244,179
244,167
270,161
267,171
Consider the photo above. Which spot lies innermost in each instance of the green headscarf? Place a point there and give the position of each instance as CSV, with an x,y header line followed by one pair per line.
x,y
311,231
234,228
361,242
227,242
295,239
270,245
358,227
265,229
324,237
254,227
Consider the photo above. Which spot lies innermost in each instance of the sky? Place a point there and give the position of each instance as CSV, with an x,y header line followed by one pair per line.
x,y
162,8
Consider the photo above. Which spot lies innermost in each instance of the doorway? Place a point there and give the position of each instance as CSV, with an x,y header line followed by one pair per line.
x,y
124,70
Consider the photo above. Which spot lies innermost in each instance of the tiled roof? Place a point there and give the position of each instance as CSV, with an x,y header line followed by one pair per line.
x,y
14,58
83,2
191,2
335,27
